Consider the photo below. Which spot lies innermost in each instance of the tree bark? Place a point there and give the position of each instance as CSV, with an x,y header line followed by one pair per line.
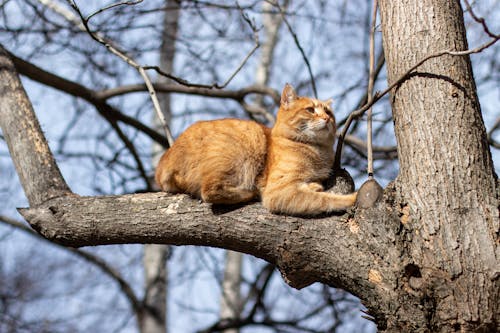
x,y
35,164
446,182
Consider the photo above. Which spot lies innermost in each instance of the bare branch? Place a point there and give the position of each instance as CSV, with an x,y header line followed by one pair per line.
x,y
302,52
237,95
35,165
87,256
216,85
122,55
479,20
380,152
369,93
128,3
378,95
77,90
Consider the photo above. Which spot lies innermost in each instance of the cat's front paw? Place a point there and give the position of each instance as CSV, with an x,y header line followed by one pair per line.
x,y
352,197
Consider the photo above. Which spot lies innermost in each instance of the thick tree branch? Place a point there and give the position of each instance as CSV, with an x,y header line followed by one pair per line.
x,y
300,247
42,180
77,90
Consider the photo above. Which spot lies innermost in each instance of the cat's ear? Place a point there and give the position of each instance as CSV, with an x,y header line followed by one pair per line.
x,y
288,95
328,102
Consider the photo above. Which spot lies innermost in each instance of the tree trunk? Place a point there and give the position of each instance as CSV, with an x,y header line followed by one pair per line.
x,y
446,182
231,302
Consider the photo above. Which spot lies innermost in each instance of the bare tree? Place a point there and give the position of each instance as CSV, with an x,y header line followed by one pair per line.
x,y
411,257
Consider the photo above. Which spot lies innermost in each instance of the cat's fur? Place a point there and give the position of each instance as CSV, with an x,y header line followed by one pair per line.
x,y
231,161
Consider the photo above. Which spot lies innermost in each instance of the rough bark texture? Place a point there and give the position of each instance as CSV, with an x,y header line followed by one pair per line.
x,y
28,147
306,250
446,181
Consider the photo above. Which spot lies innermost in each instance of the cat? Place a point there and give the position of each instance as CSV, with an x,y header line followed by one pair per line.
x,y
231,161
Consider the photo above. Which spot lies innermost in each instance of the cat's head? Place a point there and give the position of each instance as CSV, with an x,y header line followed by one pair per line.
x,y
305,119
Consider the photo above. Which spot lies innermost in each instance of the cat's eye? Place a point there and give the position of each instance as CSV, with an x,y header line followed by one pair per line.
x,y
310,110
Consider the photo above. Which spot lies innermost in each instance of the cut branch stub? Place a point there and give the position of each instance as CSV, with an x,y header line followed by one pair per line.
x,y
369,194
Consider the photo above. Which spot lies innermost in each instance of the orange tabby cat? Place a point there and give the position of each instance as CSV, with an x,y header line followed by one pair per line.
x,y
231,161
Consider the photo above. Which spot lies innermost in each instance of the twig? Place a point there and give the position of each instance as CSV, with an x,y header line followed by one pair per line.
x,y
361,146
378,95
297,43
480,20
121,54
371,79
216,85
128,3
89,257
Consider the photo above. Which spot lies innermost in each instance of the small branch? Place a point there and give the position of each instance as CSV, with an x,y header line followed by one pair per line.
x,y
479,20
77,90
122,55
237,95
383,152
258,289
99,98
215,85
371,81
128,3
131,148
89,257
302,52
378,95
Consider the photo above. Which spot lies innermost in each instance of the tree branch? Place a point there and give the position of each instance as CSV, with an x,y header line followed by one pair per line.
x,y
77,90
99,98
237,95
87,256
378,95
299,46
35,165
300,247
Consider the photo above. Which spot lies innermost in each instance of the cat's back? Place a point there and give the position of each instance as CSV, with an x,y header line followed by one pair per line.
x,y
205,138
225,146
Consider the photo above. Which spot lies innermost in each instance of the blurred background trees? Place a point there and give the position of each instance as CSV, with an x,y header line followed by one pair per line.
x,y
99,119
